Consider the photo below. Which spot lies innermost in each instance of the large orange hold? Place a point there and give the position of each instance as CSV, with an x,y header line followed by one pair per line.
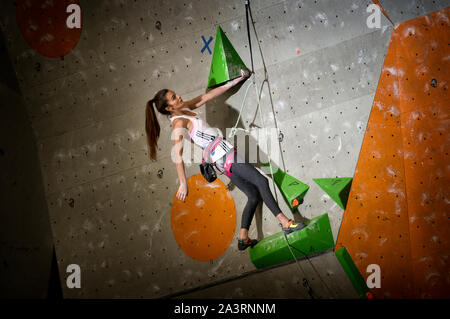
x,y
205,223
44,27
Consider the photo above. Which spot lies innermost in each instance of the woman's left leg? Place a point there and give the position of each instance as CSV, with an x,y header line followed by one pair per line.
x,y
248,173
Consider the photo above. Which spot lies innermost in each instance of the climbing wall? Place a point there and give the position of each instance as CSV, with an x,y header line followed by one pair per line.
x,y
397,215
324,274
110,207
322,89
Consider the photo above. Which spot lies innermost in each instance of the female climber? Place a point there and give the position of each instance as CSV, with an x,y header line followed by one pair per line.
x,y
246,177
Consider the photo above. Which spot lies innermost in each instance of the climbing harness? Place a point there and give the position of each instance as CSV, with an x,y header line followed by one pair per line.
x,y
217,149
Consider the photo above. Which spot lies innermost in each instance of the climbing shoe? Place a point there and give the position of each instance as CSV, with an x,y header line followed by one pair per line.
x,y
244,243
292,227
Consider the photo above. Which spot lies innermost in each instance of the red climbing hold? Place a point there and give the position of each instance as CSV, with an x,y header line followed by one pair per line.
x,y
43,25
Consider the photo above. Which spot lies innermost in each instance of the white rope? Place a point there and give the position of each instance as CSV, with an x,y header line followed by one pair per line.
x,y
233,131
267,141
235,128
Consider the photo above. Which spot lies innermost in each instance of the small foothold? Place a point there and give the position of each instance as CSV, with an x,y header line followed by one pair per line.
x,y
434,83
369,295
71,202
158,25
281,137
160,173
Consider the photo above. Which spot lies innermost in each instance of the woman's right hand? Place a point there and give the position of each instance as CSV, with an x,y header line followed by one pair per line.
x,y
245,74
182,191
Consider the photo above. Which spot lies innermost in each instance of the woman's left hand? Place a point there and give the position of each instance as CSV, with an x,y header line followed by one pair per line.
x,y
182,191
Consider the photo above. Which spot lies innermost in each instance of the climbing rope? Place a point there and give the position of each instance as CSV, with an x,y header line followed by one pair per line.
x,y
234,130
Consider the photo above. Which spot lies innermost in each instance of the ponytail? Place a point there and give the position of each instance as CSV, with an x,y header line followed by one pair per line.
x,y
152,128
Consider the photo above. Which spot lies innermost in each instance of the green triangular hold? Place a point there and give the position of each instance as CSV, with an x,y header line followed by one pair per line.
x,y
337,188
353,273
291,188
315,237
226,64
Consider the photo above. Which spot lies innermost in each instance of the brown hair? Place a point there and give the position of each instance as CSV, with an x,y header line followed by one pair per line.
x,y
152,127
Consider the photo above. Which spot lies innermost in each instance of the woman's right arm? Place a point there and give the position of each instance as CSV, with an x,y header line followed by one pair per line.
x,y
203,98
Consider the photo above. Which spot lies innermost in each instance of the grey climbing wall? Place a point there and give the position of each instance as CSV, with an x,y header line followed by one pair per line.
x,y
110,206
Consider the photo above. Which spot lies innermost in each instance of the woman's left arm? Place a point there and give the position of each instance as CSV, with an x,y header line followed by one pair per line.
x,y
202,99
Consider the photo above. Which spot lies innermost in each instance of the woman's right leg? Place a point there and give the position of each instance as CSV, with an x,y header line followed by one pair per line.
x,y
253,198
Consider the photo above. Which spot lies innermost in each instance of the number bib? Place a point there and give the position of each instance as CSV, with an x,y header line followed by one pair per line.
x,y
221,150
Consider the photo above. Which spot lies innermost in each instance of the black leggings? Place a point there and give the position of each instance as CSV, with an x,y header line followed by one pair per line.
x,y
256,186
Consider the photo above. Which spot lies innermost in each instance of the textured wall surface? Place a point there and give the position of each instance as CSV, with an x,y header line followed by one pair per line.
x,y
109,205
324,274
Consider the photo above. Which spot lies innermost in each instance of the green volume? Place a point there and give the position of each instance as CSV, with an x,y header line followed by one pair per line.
x,y
226,64
314,238
352,272
292,189
337,188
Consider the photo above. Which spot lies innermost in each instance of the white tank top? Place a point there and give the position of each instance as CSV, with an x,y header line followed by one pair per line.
x,y
202,134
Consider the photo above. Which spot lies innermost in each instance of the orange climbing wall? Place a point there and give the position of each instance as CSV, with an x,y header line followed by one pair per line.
x,y
397,215
424,55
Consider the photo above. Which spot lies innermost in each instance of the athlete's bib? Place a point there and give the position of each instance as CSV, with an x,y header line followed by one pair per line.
x,y
222,148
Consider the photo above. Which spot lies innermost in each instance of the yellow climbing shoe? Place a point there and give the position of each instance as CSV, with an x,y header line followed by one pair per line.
x,y
292,227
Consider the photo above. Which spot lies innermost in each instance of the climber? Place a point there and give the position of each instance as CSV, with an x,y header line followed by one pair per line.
x,y
246,177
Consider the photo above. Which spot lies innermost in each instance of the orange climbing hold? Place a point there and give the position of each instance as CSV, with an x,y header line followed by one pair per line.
x,y
204,225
